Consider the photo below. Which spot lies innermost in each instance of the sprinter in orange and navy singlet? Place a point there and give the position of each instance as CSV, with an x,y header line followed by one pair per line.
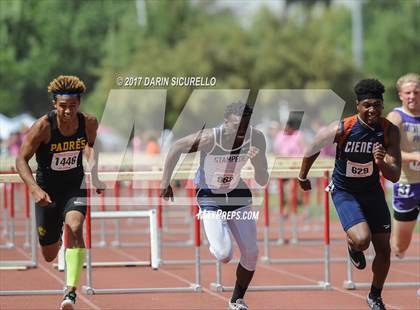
x,y
354,156
367,145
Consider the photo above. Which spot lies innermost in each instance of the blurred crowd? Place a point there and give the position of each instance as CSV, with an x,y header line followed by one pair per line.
x,y
10,146
287,140
284,139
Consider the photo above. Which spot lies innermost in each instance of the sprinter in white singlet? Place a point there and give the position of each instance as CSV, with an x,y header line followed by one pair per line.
x,y
224,151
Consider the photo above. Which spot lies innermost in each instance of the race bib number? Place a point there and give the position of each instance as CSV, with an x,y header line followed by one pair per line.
x,y
357,170
403,190
223,178
414,165
64,160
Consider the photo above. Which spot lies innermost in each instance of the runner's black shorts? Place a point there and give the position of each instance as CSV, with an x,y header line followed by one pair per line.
x,y
49,219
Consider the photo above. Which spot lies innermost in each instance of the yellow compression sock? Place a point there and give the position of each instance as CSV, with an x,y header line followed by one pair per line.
x,y
74,264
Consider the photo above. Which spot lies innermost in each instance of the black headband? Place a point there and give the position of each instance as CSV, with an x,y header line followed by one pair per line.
x,y
365,96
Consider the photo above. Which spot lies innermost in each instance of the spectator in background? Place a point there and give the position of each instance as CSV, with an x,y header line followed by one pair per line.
x,y
290,142
14,142
271,133
317,127
152,146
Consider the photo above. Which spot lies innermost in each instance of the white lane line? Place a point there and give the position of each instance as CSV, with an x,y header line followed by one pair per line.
x,y
392,269
316,282
81,297
173,275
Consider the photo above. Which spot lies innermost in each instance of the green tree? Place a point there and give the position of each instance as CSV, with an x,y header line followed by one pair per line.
x,y
391,42
42,39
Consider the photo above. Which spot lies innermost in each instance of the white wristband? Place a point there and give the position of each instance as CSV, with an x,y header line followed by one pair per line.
x,y
301,180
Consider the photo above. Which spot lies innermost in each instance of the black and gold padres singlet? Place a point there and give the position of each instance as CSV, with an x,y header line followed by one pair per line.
x,y
60,174
61,159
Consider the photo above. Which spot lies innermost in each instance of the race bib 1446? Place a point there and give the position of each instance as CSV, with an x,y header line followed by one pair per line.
x,y
64,160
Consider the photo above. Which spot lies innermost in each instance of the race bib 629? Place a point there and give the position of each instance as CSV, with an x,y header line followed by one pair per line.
x,y
358,170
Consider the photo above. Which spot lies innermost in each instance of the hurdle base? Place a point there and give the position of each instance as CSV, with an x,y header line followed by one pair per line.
x,y
325,285
17,264
386,284
196,287
265,260
93,291
188,262
294,241
7,245
14,267
267,288
305,260
115,244
349,285
100,244
217,287
32,292
115,264
88,290
280,242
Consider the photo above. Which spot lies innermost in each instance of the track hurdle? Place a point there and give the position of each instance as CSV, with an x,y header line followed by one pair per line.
x,y
280,185
102,242
322,285
152,214
188,205
350,284
9,215
5,221
30,225
191,205
27,217
40,292
266,258
281,239
14,178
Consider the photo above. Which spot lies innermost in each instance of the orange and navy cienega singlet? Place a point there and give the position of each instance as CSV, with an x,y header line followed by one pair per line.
x,y
62,156
355,169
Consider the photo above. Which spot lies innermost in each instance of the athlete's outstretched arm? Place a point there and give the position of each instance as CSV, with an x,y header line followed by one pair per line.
x,y
39,133
258,157
322,139
92,153
201,140
395,118
389,160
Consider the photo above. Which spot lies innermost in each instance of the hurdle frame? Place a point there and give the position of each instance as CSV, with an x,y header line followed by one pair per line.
x,y
265,258
322,285
90,290
350,284
33,261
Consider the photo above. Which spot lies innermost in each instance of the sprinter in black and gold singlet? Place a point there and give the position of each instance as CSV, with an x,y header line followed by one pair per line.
x,y
59,140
